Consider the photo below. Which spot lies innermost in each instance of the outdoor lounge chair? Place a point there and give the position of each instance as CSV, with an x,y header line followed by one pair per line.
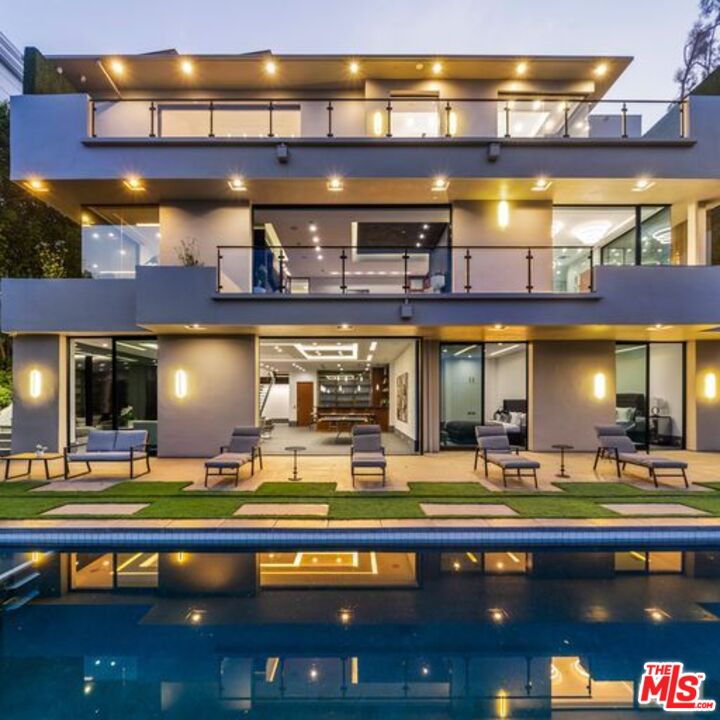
x,y
128,446
495,448
617,446
367,452
243,448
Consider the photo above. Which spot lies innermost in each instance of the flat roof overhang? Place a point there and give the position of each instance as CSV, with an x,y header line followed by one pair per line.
x,y
160,73
70,196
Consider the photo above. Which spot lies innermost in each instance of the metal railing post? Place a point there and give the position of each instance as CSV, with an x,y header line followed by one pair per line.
x,y
219,269
330,112
529,258
388,109
507,120
270,119
624,120
343,258
468,257
152,118
682,109
212,119
566,121
448,113
281,262
592,273
406,278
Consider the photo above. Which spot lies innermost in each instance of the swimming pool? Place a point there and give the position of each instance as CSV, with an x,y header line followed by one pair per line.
x,y
478,632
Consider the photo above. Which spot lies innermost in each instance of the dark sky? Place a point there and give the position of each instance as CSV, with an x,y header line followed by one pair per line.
x,y
653,31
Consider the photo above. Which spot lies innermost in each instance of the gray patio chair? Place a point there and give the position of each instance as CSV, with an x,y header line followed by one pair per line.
x,y
243,448
495,448
122,446
367,452
622,450
602,432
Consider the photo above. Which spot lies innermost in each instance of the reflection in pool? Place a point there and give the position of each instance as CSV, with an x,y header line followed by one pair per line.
x,y
349,634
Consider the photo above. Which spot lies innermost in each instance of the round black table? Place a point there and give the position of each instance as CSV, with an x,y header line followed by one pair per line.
x,y
562,448
295,449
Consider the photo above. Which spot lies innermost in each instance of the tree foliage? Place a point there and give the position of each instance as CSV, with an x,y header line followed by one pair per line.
x,y
701,53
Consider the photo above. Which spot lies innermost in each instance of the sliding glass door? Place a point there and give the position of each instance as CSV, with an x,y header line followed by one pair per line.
x,y
113,384
482,384
650,386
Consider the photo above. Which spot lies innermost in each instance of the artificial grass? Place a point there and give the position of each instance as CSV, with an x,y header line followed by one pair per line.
x,y
171,500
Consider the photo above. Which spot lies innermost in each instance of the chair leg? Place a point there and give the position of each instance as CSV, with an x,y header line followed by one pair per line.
x,y
260,457
504,478
653,475
486,467
617,467
597,458
206,476
684,474
237,476
252,466
132,469
535,478
477,452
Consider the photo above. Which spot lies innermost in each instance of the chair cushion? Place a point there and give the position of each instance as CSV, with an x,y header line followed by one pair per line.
x,y
104,456
371,443
366,430
246,430
369,459
127,439
605,430
101,440
500,443
509,461
650,461
482,431
243,444
228,460
621,443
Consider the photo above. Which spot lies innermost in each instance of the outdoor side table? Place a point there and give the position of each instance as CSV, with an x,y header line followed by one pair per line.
x,y
562,448
30,458
295,449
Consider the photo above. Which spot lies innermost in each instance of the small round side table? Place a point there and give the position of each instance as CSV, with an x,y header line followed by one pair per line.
x,y
295,449
562,448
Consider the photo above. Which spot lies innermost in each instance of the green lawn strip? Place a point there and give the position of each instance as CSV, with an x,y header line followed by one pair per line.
x,y
142,489
554,507
701,501
293,489
449,489
377,507
23,508
600,489
711,485
19,487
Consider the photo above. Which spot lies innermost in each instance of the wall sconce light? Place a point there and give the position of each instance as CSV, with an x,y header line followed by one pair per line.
x,y
181,557
181,384
35,384
710,386
599,389
503,214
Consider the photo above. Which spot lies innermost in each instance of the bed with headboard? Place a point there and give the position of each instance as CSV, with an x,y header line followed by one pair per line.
x,y
630,413
512,416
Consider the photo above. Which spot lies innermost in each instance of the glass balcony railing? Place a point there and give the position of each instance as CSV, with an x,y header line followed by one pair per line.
x,y
542,117
393,270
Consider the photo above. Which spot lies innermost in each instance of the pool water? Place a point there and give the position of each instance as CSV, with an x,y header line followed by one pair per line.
x,y
350,634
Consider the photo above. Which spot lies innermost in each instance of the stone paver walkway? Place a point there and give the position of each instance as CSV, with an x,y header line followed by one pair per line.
x,y
651,509
97,509
466,510
283,509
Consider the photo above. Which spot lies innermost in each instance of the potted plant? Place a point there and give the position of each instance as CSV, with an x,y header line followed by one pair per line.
x,y
188,253
40,450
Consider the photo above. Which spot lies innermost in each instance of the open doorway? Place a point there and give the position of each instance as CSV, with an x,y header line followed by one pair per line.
x,y
313,391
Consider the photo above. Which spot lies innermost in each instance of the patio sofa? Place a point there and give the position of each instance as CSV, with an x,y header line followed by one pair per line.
x,y
494,447
367,452
615,444
243,448
117,446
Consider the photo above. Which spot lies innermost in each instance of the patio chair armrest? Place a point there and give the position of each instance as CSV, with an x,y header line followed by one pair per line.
x,y
70,447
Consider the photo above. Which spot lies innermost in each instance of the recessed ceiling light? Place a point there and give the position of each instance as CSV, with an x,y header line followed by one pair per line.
x,y
437,68
541,184
319,257
521,68
600,70
440,183
117,67
312,227
659,326
345,326
642,184
318,248
194,326
421,236
426,226
271,67
134,183
417,244
36,185
354,67
335,184
237,184
498,326
187,67
316,239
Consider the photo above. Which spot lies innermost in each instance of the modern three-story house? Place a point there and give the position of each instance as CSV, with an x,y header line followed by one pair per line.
x,y
428,243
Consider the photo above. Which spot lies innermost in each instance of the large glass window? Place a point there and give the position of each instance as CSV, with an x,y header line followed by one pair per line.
x,y
116,239
483,384
113,384
355,250
650,392
109,571
610,235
